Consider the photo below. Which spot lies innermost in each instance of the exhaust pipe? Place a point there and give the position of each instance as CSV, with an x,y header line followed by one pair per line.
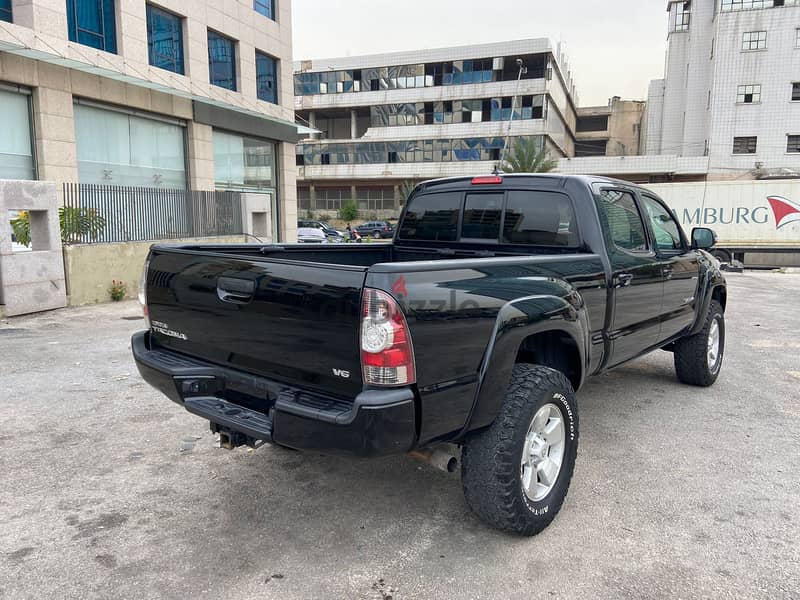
x,y
444,457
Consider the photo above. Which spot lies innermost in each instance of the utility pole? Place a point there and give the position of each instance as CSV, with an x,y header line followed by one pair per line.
x,y
522,70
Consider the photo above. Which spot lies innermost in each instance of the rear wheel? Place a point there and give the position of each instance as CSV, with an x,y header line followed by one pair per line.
x,y
516,473
698,358
376,234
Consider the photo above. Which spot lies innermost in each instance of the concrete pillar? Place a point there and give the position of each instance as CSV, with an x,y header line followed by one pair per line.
x,y
54,127
353,124
200,145
132,31
353,194
312,122
287,192
42,15
312,197
397,198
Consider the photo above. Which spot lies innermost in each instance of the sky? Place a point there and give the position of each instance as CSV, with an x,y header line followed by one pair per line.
x,y
615,47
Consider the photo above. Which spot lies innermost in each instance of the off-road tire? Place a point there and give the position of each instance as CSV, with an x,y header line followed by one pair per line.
x,y
491,459
691,353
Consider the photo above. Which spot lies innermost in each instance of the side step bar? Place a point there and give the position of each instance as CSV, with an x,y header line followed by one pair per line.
x,y
235,424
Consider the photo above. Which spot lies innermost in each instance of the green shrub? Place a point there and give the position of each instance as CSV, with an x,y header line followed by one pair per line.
x,y
75,224
348,211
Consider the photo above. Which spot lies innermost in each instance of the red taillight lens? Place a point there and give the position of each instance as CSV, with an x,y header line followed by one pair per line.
x,y
494,179
386,354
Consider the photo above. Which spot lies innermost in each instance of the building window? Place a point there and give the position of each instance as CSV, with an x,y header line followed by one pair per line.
x,y
266,78
745,145
164,39
265,7
754,40
732,5
16,150
683,16
5,11
457,72
243,163
748,94
92,23
132,150
793,144
797,38
796,91
221,61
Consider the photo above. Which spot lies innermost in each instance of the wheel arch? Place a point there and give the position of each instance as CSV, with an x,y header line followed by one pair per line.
x,y
551,330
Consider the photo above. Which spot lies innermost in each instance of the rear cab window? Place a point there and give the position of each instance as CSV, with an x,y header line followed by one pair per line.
x,y
514,217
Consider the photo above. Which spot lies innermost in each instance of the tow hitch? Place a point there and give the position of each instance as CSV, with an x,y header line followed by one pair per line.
x,y
236,425
233,439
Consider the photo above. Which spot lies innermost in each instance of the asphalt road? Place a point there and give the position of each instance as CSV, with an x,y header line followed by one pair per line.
x,y
111,491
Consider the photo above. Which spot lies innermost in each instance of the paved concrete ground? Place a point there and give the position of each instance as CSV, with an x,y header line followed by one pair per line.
x,y
110,490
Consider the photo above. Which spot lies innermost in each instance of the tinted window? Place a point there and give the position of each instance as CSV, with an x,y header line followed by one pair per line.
x,y
539,218
432,217
482,216
665,228
624,221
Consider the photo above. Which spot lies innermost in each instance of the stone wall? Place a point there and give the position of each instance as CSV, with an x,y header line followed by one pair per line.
x,y
31,281
91,267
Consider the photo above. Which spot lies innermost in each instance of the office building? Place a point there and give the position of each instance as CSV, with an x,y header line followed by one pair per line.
x,y
386,120
731,90
152,94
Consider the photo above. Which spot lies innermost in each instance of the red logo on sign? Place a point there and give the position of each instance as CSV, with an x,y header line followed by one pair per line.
x,y
399,287
785,210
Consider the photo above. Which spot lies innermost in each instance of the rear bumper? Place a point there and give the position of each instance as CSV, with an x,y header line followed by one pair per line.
x,y
377,422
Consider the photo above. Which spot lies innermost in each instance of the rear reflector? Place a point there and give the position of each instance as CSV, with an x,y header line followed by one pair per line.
x,y
488,180
386,354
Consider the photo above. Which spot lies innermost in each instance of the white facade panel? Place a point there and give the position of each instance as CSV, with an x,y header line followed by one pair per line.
x,y
708,59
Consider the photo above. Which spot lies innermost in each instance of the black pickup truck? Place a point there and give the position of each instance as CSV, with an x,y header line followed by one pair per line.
x,y
497,298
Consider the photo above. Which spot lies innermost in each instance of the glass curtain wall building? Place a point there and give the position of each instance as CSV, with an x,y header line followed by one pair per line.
x,y
385,121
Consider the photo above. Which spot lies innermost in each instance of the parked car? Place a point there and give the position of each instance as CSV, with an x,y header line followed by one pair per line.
x,y
311,235
376,229
330,232
473,329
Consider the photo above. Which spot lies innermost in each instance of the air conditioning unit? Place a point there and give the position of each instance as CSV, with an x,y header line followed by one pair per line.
x,y
498,64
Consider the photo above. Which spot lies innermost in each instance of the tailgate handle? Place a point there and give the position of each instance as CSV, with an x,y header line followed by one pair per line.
x,y
237,291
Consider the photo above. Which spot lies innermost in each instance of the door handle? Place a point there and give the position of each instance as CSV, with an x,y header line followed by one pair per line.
x,y
668,272
625,279
235,291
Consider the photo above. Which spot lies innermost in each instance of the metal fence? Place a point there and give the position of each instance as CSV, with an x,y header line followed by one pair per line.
x,y
104,213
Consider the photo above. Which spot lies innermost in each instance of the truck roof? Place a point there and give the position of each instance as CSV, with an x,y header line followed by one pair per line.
x,y
555,179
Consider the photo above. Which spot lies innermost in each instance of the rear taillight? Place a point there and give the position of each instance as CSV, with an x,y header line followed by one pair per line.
x,y
143,293
386,354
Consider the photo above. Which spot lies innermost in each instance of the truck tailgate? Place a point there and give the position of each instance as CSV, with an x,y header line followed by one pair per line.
x,y
285,320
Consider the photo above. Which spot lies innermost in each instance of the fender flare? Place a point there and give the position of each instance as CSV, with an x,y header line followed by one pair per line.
x,y
516,321
711,278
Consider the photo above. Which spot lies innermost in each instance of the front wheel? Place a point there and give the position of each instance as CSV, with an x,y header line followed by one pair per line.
x,y
515,474
698,358
376,235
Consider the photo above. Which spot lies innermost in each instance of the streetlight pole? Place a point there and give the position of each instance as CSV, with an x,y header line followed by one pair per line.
x,y
522,70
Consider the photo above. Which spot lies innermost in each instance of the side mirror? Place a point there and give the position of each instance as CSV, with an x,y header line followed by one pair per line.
x,y
703,238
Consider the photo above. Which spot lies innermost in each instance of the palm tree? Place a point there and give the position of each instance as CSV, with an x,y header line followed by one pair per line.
x,y
406,188
527,157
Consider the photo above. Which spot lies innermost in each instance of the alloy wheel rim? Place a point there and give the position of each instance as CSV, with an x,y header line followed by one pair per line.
x,y
543,452
713,345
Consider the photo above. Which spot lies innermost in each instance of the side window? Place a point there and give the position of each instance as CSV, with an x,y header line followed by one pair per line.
x,y
432,217
482,214
665,228
624,221
540,218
